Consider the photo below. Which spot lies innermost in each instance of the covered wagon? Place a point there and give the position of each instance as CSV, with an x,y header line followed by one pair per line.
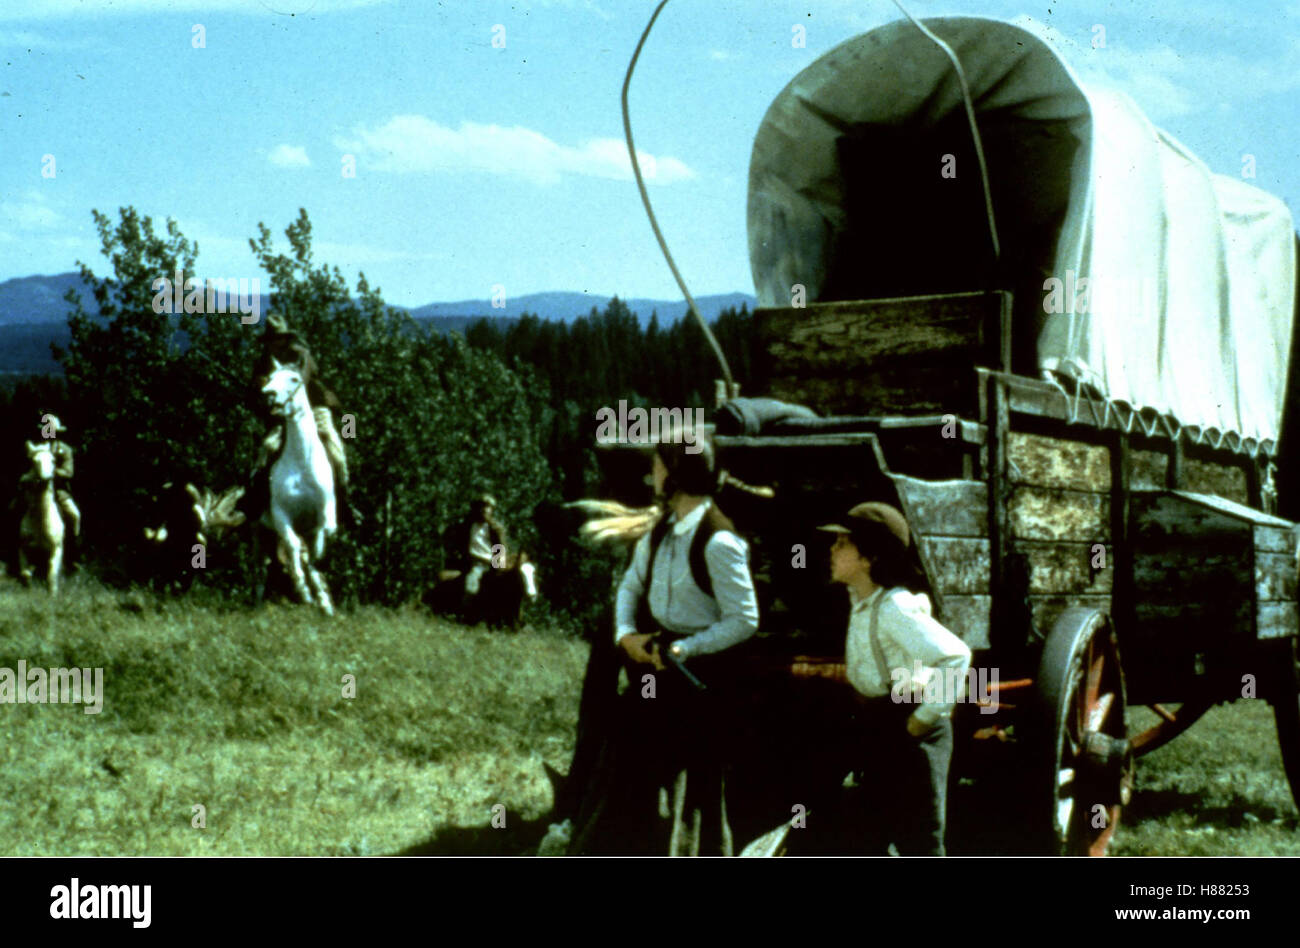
x,y
1063,347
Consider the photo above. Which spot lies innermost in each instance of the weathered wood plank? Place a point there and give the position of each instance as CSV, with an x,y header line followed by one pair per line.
x,y
1229,612
1241,512
959,509
1275,577
1277,620
1164,519
1055,462
1065,568
946,508
960,566
1202,572
877,356
851,334
901,388
1275,540
1149,470
1039,513
1204,477
967,617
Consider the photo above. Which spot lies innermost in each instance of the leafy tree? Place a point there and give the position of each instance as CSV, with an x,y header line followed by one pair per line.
x,y
150,397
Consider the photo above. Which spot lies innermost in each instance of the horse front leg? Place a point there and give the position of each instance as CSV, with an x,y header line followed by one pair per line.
x,y
55,565
295,558
24,567
329,526
322,591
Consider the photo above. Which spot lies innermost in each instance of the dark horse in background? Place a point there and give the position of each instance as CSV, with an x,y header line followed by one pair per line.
x,y
501,595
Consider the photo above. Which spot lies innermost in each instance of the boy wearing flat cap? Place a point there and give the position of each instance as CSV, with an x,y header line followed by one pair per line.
x,y
903,663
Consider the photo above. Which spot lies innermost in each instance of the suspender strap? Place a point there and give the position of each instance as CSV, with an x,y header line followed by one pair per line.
x,y
874,636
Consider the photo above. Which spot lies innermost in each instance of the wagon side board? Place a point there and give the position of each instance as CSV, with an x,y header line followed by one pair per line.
x,y
1060,523
1208,573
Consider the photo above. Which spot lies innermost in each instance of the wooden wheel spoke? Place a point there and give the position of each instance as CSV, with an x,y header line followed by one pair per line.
x,y
1099,710
1160,709
1077,718
1064,816
1095,668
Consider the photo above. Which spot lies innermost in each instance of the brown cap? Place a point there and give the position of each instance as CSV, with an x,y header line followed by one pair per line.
x,y
873,512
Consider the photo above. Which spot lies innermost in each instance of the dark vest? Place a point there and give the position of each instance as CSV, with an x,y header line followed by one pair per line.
x,y
713,521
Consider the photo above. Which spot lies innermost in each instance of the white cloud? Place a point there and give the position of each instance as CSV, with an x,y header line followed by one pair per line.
x,y
414,143
48,9
289,156
30,212
1167,81
231,254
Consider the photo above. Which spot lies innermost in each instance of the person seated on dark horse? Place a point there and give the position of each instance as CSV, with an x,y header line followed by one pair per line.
x,y
287,347
48,428
483,544
687,600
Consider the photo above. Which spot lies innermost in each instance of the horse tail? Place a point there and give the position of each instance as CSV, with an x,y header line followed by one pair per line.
x,y
612,521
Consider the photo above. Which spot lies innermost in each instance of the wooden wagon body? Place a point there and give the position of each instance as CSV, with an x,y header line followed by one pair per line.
x,y
1091,560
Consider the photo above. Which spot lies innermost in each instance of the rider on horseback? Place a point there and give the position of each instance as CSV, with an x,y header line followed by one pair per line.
x,y
48,428
485,543
285,346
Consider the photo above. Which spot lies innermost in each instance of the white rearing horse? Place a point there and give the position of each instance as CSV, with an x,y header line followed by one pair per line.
x,y
302,486
40,535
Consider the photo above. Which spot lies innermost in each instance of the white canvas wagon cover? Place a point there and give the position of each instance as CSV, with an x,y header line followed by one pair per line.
x,y
1190,276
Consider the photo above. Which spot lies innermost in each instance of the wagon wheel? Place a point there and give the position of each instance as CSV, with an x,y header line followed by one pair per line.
x,y
1286,711
1081,736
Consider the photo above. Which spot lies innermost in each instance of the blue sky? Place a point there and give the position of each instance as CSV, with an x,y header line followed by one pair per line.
x,y
478,165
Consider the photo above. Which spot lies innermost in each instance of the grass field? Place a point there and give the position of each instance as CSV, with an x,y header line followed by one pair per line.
x,y
242,711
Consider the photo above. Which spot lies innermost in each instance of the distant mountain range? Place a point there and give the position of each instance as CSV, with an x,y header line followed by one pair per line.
x,y
34,314
569,306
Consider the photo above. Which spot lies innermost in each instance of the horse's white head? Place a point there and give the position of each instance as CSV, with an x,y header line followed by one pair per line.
x,y
282,388
42,458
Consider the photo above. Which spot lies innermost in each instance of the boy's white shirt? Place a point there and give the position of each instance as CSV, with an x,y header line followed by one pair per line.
x,y
908,633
